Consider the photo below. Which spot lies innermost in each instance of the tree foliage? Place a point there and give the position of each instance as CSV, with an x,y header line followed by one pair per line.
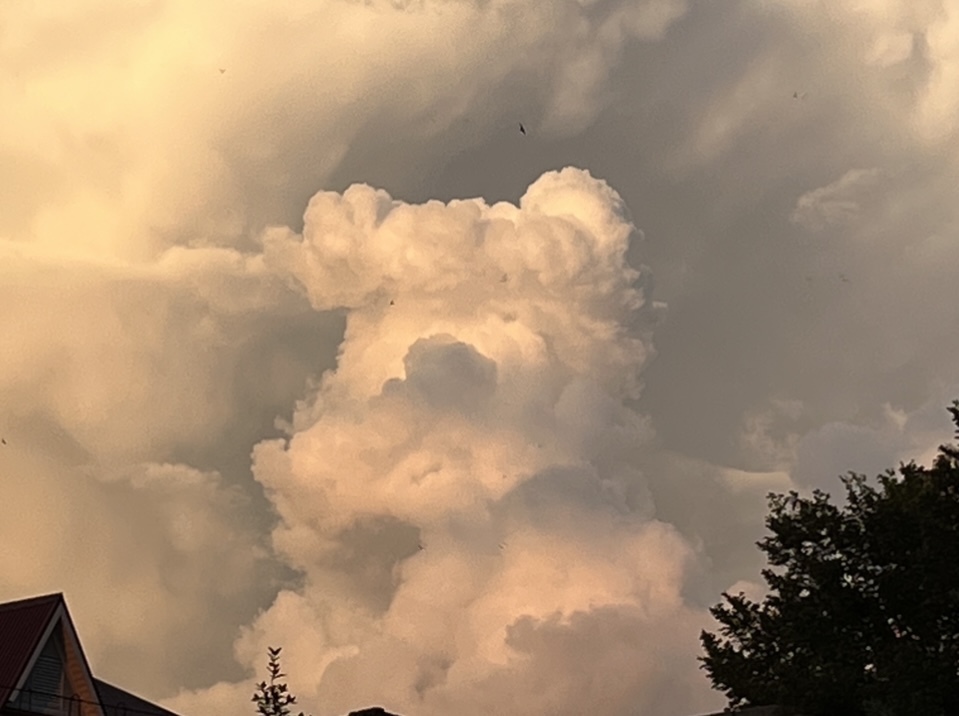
x,y
274,699
862,612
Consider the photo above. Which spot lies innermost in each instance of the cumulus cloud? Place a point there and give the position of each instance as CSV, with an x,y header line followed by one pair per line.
x,y
149,149
462,493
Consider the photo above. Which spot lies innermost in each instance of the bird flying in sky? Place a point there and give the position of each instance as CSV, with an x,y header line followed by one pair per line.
x,y
522,129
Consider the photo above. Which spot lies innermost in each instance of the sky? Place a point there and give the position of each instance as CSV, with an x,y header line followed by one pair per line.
x,y
305,344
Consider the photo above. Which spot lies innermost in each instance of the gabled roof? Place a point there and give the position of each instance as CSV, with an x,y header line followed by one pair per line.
x,y
117,702
22,624
25,627
33,623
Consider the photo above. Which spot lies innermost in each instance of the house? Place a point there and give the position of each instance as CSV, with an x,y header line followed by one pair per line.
x,y
43,669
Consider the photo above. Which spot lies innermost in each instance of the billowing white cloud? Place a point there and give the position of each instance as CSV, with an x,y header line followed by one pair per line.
x,y
460,484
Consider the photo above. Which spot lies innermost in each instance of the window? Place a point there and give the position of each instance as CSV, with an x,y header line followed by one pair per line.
x,y
46,690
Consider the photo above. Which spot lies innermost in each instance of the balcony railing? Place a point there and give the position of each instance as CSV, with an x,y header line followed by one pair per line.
x,y
52,704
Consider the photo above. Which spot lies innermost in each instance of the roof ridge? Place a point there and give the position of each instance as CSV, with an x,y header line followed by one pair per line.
x,y
31,601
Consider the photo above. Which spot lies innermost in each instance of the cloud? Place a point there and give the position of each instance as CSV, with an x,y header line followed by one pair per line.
x,y
130,131
897,436
462,491
117,391
159,535
156,330
769,435
153,341
625,676
115,377
837,203
887,36
580,89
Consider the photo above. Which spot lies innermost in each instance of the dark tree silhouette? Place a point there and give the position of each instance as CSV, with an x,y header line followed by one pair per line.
x,y
273,699
862,613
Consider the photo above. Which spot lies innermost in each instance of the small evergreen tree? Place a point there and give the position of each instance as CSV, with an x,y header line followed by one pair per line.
x,y
273,699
